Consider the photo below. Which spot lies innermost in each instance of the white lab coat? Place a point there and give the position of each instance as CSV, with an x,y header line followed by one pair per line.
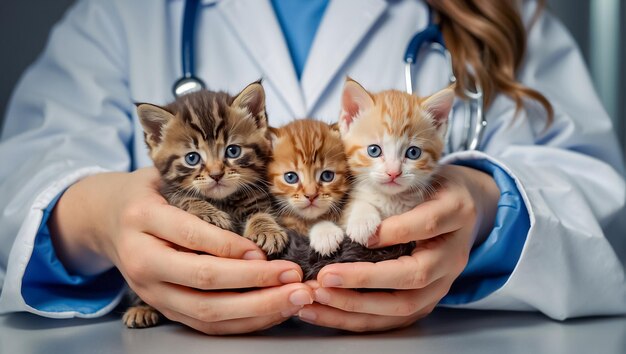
x,y
72,115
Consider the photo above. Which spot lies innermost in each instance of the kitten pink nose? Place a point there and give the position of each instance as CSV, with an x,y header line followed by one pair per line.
x,y
311,197
394,174
216,176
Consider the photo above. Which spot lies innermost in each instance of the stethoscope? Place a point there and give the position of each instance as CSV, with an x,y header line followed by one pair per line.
x,y
474,121
189,82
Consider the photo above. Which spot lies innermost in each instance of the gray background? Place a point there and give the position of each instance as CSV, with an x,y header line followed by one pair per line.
x,y
24,26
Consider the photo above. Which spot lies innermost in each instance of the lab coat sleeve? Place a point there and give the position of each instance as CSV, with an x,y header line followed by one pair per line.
x,y
69,117
570,176
48,287
491,262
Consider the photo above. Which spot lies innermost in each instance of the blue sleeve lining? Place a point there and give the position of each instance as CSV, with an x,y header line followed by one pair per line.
x,y
48,287
492,262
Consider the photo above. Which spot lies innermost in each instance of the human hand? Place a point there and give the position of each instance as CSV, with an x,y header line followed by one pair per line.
x,y
461,212
153,245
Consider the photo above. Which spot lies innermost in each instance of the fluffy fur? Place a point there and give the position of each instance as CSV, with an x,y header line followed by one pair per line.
x,y
393,141
212,150
300,252
312,155
388,184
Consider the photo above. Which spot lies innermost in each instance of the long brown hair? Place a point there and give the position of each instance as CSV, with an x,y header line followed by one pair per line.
x,y
489,36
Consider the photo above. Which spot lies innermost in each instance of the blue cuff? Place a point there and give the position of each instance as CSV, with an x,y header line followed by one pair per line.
x,y
48,287
492,262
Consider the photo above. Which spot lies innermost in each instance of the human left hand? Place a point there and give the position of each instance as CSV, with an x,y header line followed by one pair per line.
x,y
461,212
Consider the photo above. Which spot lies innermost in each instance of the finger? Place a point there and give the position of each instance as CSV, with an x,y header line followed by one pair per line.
x,y
237,326
429,219
401,303
420,269
221,306
208,272
183,229
326,316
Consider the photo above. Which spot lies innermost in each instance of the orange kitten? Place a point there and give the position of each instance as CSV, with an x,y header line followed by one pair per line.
x,y
309,179
393,141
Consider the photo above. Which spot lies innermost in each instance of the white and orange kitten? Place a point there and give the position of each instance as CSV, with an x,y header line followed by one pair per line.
x,y
393,141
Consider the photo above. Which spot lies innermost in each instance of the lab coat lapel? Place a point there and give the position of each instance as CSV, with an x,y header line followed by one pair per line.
x,y
337,37
256,26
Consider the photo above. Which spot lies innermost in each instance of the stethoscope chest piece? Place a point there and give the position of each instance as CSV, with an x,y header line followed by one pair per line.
x,y
189,82
186,85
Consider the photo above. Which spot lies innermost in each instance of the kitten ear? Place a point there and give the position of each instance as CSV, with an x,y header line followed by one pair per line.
x,y
153,118
252,99
354,101
273,134
334,129
438,106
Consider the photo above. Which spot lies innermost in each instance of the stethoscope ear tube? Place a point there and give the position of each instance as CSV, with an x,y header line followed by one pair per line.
x,y
432,35
477,98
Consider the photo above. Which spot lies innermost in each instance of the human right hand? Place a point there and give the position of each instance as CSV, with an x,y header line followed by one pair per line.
x,y
153,244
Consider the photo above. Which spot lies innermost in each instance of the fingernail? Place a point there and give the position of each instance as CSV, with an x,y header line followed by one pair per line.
x,y
331,280
307,315
300,297
254,255
373,241
289,276
290,312
322,296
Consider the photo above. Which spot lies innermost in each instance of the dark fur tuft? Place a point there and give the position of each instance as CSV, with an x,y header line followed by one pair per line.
x,y
299,252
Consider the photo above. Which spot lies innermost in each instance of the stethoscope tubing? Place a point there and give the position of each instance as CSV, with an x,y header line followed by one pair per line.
x,y
432,34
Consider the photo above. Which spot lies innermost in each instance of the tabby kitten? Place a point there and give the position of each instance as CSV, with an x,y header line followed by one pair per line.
x,y
393,141
309,179
212,150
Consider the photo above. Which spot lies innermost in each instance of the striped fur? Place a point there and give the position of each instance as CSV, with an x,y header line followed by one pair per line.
x,y
230,192
208,122
308,148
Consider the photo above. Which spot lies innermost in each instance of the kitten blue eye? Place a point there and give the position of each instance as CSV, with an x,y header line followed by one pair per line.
x,y
291,177
327,176
374,150
233,151
192,158
413,153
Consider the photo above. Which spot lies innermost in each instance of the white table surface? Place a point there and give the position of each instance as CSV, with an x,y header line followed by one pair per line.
x,y
444,331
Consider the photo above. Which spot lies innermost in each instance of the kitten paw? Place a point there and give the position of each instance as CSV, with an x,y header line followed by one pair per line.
x,y
360,228
207,212
266,233
325,237
270,241
221,220
141,317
